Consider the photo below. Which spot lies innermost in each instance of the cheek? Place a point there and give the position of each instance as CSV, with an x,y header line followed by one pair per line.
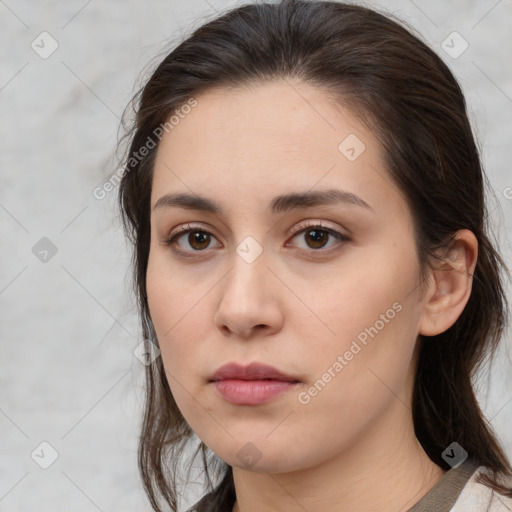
x,y
370,317
354,297
178,307
173,307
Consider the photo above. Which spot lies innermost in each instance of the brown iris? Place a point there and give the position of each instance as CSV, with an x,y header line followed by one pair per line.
x,y
319,237
200,238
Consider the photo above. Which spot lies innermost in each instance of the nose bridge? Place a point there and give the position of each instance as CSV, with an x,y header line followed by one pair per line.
x,y
247,278
247,298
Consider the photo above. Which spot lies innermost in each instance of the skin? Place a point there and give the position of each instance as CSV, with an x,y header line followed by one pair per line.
x,y
298,305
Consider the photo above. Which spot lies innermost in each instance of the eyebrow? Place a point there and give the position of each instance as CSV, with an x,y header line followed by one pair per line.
x,y
279,204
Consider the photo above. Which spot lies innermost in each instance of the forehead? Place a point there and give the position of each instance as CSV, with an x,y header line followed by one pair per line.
x,y
264,139
271,116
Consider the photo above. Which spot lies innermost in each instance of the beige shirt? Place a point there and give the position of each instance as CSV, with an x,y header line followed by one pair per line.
x,y
477,496
459,491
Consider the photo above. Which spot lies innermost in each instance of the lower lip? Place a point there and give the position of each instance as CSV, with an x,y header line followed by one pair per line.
x,y
251,392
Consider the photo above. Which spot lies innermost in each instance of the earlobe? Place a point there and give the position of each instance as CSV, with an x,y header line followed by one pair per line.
x,y
450,285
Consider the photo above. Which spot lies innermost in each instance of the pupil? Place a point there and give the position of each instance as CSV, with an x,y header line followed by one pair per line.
x,y
318,236
198,237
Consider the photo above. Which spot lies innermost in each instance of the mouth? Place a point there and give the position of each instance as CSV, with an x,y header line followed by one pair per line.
x,y
254,384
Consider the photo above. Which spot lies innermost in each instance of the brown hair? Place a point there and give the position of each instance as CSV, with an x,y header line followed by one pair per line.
x,y
416,109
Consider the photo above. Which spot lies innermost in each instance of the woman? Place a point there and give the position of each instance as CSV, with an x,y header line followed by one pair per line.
x,y
306,204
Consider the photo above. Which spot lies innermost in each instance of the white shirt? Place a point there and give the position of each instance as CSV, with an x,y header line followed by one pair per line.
x,y
479,497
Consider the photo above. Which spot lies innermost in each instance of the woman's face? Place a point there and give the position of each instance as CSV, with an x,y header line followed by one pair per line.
x,y
336,307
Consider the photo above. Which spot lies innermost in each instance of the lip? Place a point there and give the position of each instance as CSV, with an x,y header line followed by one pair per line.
x,y
254,384
253,371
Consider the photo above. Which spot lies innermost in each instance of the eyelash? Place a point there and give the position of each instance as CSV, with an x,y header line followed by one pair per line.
x,y
187,228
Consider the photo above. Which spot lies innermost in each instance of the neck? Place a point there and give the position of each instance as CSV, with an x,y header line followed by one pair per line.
x,y
370,475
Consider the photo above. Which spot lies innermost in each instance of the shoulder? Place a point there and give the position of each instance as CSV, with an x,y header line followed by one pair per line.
x,y
479,497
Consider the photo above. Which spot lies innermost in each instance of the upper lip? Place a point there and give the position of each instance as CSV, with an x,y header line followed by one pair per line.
x,y
253,371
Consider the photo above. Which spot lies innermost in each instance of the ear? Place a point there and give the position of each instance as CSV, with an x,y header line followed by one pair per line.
x,y
450,285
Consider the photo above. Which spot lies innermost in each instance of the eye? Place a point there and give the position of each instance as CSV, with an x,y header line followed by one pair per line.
x,y
316,236
198,238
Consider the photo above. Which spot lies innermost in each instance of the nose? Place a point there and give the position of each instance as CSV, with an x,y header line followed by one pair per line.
x,y
250,302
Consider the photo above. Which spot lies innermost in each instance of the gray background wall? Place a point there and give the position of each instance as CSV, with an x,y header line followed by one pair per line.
x,y
68,328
